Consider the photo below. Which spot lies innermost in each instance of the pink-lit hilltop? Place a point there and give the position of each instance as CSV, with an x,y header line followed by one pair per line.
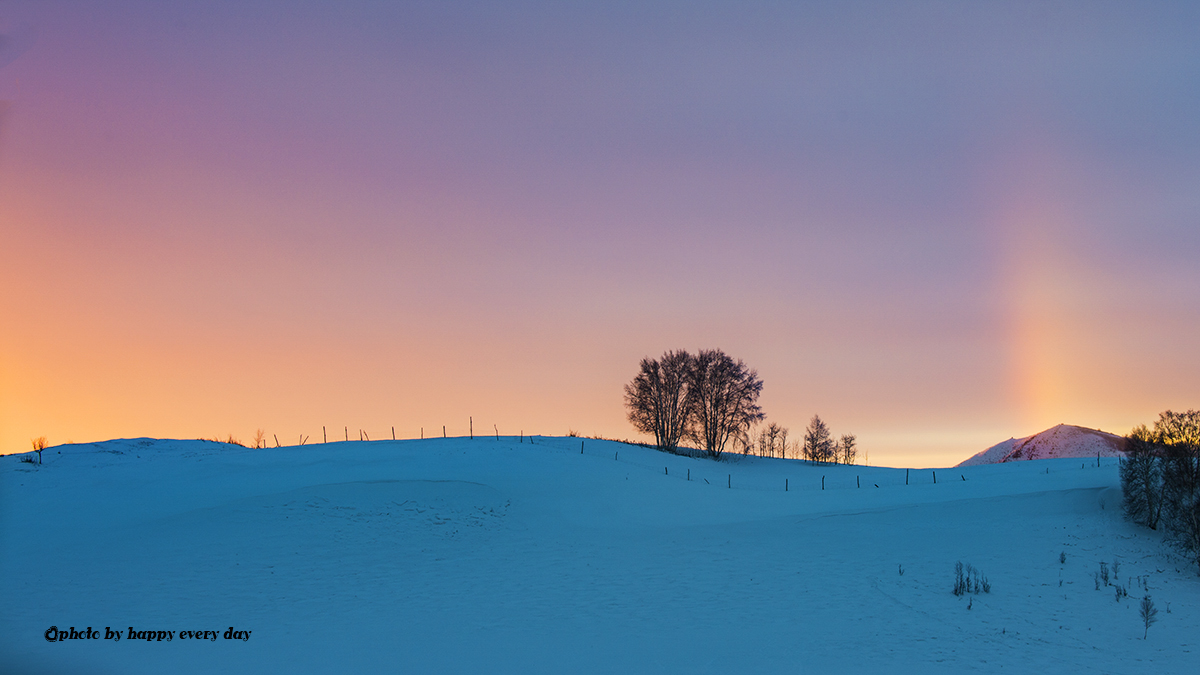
x,y
1064,440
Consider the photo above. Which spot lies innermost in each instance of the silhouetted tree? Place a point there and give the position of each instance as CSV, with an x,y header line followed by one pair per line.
x,y
818,444
1179,435
847,449
1160,478
770,441
765,441
1141,478
750,442
722,400
657,398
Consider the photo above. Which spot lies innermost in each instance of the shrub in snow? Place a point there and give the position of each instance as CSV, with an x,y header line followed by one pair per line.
x,y
969,580
1149,614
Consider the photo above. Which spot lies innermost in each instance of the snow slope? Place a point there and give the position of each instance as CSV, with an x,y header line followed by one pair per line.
x,y
461,556
1064,440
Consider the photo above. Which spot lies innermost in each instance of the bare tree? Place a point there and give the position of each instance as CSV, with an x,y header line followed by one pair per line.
x,y
1178,428
847,449
765,441
751,442
1179,434
1141,478
1160,478
746,441
657,398
770,441
722,400
818,444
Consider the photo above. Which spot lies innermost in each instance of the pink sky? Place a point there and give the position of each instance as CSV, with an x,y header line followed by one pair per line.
x,y
937,226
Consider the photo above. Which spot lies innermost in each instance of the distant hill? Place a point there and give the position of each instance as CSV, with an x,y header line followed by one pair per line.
x,y
1064,440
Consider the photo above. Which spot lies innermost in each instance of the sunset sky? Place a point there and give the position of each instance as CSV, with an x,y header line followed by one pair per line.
x,y
936,224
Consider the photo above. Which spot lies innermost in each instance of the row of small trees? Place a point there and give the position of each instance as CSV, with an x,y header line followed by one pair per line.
x,y
818,444
1160,478
712,399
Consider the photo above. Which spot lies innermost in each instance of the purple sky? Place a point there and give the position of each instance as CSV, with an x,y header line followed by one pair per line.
x,y
937,225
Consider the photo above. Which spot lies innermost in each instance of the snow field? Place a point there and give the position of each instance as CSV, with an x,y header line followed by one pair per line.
x,y
453,555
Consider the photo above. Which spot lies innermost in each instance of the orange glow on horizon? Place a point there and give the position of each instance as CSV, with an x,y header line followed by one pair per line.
x,y
208,227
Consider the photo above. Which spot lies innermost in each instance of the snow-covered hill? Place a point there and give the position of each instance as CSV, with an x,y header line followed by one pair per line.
x,y
461,556
1061,441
